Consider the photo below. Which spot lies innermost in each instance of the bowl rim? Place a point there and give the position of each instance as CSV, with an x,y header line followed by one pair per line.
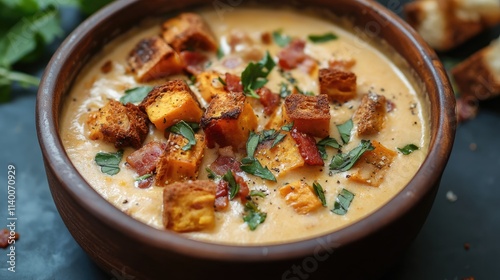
x,y
75,185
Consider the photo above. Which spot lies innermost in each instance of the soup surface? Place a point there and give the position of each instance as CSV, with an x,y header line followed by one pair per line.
x,y
244,36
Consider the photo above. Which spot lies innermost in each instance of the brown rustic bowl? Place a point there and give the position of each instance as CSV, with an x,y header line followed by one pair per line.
x,y
121,245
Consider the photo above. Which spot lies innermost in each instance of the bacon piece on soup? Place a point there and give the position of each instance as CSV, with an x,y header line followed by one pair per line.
x,y
189,206
177,165
371,114
373,165
309,114
188,31
144,160
293,55
233,83
209,85
223,164
170,103
338,85
222,196
228,120
122,125
300,196
269,100
307,148
280,159
152,59
194,62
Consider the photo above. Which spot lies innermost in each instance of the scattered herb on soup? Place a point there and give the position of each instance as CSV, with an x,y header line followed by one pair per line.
x,y
255,75
320,192
143,177
281,39
185,130
408,149
135,95
234,187
327,142
343,202
323,38
343,162
257,193
345,131
254,167
253,216
109,162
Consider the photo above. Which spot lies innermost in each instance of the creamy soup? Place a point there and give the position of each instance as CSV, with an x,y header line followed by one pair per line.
x,y
244,35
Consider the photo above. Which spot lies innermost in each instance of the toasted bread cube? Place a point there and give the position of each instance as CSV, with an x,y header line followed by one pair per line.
x,y
189,206
301,197
309,114
152,59
188,31
373,165
122,125
170,103
370,115
282,158
228,120
209,85
338,85
177,165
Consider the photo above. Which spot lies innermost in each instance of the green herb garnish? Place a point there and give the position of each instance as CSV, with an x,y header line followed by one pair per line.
x,y
320,192
185,130
253,216
255,75
135,95
284,90
234,187
327,142
345,131
307,93
252,143
222,81
143,177
257,193
254,167
109,162
211,175
287,127
344,162
408,149
322,38
281,39
220,53
343,202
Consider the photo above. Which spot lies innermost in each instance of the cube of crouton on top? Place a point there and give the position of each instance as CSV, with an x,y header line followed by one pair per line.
x,y
370,115
309,114
282,158
152,59
122,125
209,85
189,206
301,197
228,120
337,84
188,31
176,164
170,103
372,166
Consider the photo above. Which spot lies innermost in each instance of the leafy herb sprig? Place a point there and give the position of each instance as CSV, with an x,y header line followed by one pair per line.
x,y
135,95
408,149
343,162
253,216
109,162
255,75
343,202
187,130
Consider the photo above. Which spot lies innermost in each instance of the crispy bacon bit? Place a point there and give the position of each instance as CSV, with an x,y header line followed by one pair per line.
x,y
144,160
146,183
223,164
107,67
5,236
266,38
194,62
293,55
307,148
244,191
222,196
232,62
269,100
467,108
233,83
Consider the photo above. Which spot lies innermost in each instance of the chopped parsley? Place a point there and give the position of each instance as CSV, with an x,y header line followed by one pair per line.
x,y
343,162
234,187
143,177
252,143
281,39
220,53
320,192
135,95
221,81
185,130
408,149
287,127
257,193
327,142
253,216
284,90
109,162
322,38
211,175
345,131
307,93
255,75
254,167
343,202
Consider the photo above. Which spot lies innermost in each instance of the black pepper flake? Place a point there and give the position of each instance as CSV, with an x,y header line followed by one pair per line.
x,y
338,181
348,176
125,201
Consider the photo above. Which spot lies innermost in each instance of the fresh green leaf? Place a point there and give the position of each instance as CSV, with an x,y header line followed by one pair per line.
x,y
307,93
234,187
322,38
344,162
220,53
109,162
143,177
278,139
287,127
211,175
345,131
257,193
281,39
284,90
221,81
253,216
343,202
194,126
184,129
327,142
408,149
252,143
254,167
135,95
255,75
320,192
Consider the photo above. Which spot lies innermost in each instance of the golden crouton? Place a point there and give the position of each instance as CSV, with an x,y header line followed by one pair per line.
x,y
152,59
188,31
301,197
189,206
209,85
170,103
282,158
309,114
370,114
228,120
177,165
373,165
338,85
122,125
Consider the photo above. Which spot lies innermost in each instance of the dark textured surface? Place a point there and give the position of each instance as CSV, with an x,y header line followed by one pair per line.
x,y
47,251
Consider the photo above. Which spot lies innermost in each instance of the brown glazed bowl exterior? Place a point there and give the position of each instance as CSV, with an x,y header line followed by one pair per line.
x,y
129,249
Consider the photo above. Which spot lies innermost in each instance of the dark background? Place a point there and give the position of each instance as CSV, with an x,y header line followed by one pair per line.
x,y
46,250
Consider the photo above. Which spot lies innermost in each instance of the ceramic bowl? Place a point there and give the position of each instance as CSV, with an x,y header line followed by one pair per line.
x,y
130,249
